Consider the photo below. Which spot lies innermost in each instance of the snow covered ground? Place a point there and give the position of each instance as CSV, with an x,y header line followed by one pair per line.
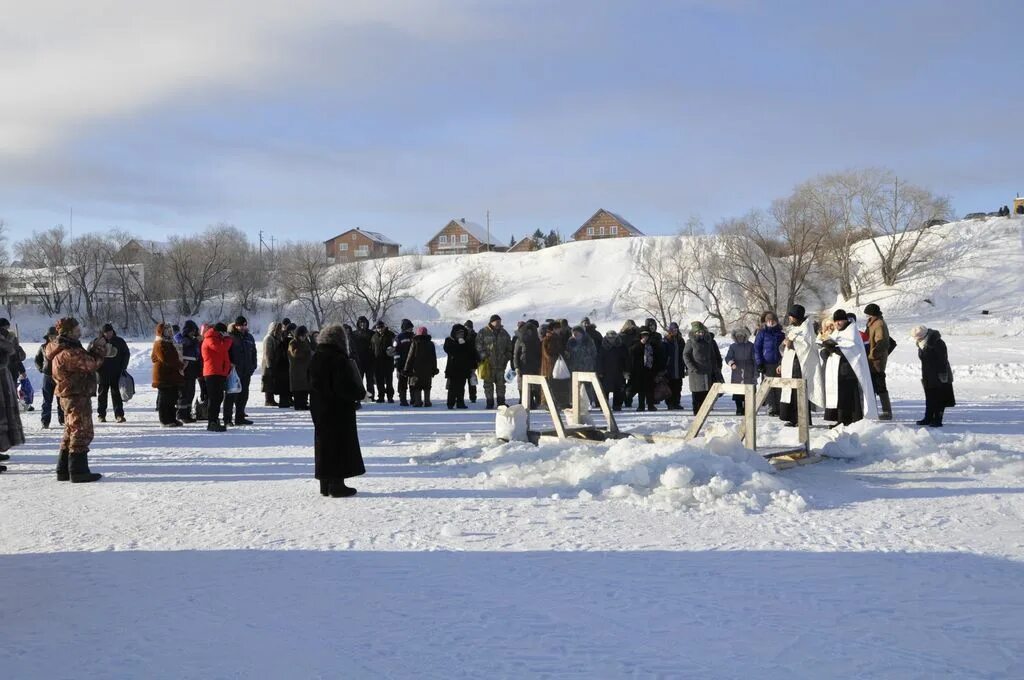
x,y
212,555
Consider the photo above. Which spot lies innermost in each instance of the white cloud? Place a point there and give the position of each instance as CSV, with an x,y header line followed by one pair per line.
x,y
65,64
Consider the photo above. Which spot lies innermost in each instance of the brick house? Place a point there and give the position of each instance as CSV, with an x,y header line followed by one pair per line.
x,y
359,244
526,245
605,224
460,237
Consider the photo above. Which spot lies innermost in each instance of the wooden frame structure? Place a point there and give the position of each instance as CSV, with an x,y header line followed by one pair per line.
x,y
563,430
752,404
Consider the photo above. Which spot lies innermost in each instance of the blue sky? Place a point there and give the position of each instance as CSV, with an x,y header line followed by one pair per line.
x,y
306,118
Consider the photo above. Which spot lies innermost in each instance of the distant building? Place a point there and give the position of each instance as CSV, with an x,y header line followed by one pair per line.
x,y
1018,206
21,285
460,237
358,244
526,245
138,250
605,224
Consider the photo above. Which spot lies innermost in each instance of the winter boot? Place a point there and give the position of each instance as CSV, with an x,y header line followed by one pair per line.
x,y
427,404
216,427
925,421
269,401
501,402
120,419
325,487
937,418
78,468
337,489
886,412
102,419
404,402
490,404
461,403
62,466
740,410
4,456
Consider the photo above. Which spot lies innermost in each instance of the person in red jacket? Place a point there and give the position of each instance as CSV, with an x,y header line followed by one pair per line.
x,y
216,367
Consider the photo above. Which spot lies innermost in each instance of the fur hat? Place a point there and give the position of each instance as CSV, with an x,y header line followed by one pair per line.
x,y
840,315
161,328
494,317
918,332
698,327
873,310
66,325
797,312
406,325
741,332
333,334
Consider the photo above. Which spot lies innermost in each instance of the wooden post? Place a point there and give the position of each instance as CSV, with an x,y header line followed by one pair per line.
x,y
803,417
704,410
749,418
545,388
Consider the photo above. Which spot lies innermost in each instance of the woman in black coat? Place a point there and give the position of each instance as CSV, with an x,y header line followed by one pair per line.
x,y
936,375
421,367
336,388
461,364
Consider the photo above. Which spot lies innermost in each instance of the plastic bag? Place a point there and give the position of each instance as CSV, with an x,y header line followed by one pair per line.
x,y
510,376
26,393
511,423
561,370
234,384
473,380
484,370
126,386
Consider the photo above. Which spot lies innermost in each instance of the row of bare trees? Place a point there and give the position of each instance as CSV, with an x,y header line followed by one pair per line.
x,y
837,233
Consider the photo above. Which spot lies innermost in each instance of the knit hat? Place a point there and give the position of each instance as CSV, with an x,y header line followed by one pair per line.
x,y
494,317
51,331
578,329
422,330
301,330
918,332
585,321
872,310
645,333
839,315
4,323
66,325
220,327
286,322
698,327
380,324
797,312
108,328
673,326
241,321
406,325
468,324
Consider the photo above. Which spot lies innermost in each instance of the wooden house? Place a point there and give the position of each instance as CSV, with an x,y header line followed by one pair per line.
x,y
605,224
357,244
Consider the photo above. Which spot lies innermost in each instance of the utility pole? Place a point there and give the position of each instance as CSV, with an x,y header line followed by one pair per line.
x,y
488,231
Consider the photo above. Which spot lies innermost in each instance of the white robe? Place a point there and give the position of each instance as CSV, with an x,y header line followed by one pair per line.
x,y
803,351
852,347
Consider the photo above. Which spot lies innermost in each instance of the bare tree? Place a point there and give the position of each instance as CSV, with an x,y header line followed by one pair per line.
x,y
415,257
840,196
377,285
47,252
88,261
200,265
659,281
305,276
700,256
248,277
476,287
899,216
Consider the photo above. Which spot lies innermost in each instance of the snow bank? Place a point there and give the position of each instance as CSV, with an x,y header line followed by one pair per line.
x,y
712,473
908,449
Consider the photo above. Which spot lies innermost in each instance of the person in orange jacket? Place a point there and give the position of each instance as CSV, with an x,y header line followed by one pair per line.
x,y
216,367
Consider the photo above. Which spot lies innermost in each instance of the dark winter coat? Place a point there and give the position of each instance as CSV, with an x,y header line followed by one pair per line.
x,y
117,361
526,358
673,346
42,363
494,346
461,356
742,354
401,345
11,432
382,348
703,362
191,350
361,350
74,367
768,346
335,391
612,364
168,367
300,355
597,338
421,363
243,353
581,354
936,373
641,366
270,343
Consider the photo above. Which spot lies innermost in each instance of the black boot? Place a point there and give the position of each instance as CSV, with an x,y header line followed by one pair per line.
x,y
78,468
339,490
62,466
325,487
214,426
937,418
490,404
886,412
925,421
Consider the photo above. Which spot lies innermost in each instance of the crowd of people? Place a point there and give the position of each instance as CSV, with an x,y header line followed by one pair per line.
x,y
203,373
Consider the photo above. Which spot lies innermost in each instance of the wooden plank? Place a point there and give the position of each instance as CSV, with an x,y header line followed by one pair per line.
x,y
749,418
803,416
702,413
763,390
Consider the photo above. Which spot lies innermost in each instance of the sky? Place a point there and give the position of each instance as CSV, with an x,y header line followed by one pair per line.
x,y
305,118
